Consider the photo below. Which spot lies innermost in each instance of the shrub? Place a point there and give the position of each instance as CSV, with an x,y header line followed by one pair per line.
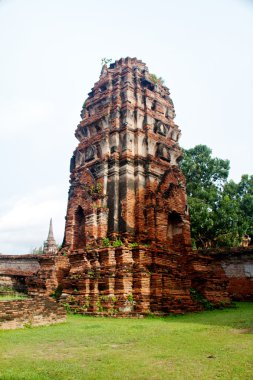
x,y
57,293
133,245
106,242
207,305
117,243
156,79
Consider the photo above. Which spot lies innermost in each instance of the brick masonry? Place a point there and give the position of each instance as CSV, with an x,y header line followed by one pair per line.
x,y
25,265
237,264
127,280
137,280
30,312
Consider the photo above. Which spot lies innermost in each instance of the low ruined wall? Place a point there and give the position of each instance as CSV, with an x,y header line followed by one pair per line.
x,y
237,264
24,265
239,270
30,312
32,274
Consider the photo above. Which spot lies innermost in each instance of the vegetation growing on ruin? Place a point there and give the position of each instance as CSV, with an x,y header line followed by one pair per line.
x,y
155,79
117,243
205,346
133,245
106,242
207,305
105,61
221,211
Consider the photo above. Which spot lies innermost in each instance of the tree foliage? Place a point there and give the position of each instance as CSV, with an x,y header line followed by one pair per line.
x,y
221,211
37,251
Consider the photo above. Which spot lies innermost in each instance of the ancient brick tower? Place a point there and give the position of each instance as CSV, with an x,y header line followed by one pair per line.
x,y
125,179
127,237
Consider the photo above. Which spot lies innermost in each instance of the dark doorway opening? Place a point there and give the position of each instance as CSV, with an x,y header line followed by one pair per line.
x,y
174,228
79,229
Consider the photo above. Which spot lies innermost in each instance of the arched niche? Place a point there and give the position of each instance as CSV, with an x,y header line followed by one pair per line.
x,y
153,105
174,227
98,128
123,140
79,158
143,147
99,151
95,128
85,131
161,129
79,229
90,153
174,135
163,152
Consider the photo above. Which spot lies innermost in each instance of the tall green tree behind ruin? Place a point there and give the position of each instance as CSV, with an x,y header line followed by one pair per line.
x,y
221,211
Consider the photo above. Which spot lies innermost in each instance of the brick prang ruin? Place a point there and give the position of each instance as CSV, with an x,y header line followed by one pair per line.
x,y
125,178
127,236
127,247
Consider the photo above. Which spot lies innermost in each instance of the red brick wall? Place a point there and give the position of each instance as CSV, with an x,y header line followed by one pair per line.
x,y
30,312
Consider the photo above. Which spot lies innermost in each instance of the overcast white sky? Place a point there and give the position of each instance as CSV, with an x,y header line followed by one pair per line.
x,y
51,54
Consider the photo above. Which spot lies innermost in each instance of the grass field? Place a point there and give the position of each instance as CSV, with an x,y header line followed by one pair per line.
x,y
12,297
209,345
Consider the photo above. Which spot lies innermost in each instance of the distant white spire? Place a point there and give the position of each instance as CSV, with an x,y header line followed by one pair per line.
x,y
50,246
50,232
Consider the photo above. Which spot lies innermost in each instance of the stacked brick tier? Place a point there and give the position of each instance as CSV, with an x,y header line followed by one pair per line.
x,y
48,277
138,281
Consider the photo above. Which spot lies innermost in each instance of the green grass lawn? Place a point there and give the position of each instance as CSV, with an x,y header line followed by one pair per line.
x,y
12,297
208,345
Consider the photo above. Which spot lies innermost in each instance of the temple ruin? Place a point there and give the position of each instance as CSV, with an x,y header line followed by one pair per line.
x,y
125,180
127,246
127,234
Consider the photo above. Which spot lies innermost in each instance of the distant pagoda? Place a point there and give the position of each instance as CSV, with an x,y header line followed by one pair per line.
x,y
50,246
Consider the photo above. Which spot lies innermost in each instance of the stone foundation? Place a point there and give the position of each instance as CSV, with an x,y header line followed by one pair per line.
x,y
30,312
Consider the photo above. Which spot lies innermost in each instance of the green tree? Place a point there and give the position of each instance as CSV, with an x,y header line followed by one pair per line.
x,y
242,193
204,174
221,212
245,188
37,251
